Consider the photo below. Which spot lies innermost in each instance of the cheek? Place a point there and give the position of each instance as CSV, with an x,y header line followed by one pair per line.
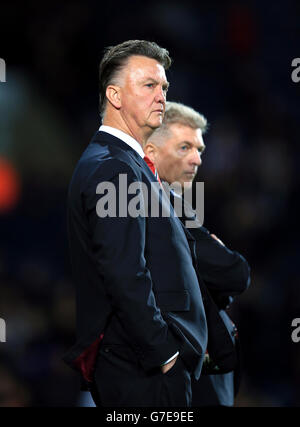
x,y
176,168
179,165
137,106
143,105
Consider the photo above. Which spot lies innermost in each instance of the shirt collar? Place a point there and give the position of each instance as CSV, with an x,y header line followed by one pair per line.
x,y
124,137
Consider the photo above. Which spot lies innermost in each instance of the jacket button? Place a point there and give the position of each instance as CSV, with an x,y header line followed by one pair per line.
x,y
106,349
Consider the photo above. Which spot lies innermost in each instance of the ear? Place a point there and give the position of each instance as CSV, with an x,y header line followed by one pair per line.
x,y
151,150
114,96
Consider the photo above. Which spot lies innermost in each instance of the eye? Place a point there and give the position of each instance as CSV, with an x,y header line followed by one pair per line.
x,y
184,147
149,84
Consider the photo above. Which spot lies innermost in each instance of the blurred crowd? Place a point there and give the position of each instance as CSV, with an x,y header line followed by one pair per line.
x,y
232,63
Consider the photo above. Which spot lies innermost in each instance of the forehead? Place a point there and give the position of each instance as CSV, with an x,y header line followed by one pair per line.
x,y
142,68
180,133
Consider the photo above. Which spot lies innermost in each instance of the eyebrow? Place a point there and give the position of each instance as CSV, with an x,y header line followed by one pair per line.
x,y
201,149
165,84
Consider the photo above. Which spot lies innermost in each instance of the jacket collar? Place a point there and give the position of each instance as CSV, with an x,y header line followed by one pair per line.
x,y
104,137
124,137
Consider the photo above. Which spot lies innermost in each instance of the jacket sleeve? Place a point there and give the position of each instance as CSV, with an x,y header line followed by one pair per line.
x,y
118,247
224,271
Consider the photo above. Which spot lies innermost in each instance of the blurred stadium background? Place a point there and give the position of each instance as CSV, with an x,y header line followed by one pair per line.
x,y
232,62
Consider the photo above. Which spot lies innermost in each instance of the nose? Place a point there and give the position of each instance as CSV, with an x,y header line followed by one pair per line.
x,y
196,158
160,95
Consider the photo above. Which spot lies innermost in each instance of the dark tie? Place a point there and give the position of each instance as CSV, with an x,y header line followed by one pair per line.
x,y
152,168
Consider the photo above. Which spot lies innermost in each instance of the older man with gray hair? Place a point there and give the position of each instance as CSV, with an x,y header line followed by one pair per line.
x,y
176,148
141,329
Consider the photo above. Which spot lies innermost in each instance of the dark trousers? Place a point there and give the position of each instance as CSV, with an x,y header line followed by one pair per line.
x,y
120,381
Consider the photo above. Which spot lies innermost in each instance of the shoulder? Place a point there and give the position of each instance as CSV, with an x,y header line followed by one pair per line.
x,y
104,159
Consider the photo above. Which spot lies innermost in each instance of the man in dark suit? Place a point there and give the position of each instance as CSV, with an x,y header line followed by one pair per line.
x,y
141,326
176,148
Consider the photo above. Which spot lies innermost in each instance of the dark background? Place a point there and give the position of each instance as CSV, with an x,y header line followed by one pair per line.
x,y
232,62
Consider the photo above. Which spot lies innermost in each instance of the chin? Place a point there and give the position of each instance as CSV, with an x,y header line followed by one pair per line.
x,y
156,123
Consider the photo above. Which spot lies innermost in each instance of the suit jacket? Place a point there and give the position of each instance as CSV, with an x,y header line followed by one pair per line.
x,y
136,285
225,274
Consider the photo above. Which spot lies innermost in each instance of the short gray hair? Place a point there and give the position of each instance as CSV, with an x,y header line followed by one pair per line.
x,y
177,113
184,115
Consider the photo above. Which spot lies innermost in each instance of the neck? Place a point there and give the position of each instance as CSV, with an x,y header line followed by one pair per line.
x,y
117,121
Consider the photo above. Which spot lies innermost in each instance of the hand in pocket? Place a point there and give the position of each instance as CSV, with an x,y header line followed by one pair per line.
x,y
168,366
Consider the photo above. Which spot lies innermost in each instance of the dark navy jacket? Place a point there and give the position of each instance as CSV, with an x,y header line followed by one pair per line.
x,y
225,274
136,284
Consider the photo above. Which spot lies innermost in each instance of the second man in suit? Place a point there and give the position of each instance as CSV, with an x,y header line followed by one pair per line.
x,y
176,149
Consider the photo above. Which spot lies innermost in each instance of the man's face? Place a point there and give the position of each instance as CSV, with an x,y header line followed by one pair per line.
x,y
177,160
143,94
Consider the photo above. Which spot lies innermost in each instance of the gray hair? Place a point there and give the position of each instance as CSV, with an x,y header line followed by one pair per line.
x,y
177,113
